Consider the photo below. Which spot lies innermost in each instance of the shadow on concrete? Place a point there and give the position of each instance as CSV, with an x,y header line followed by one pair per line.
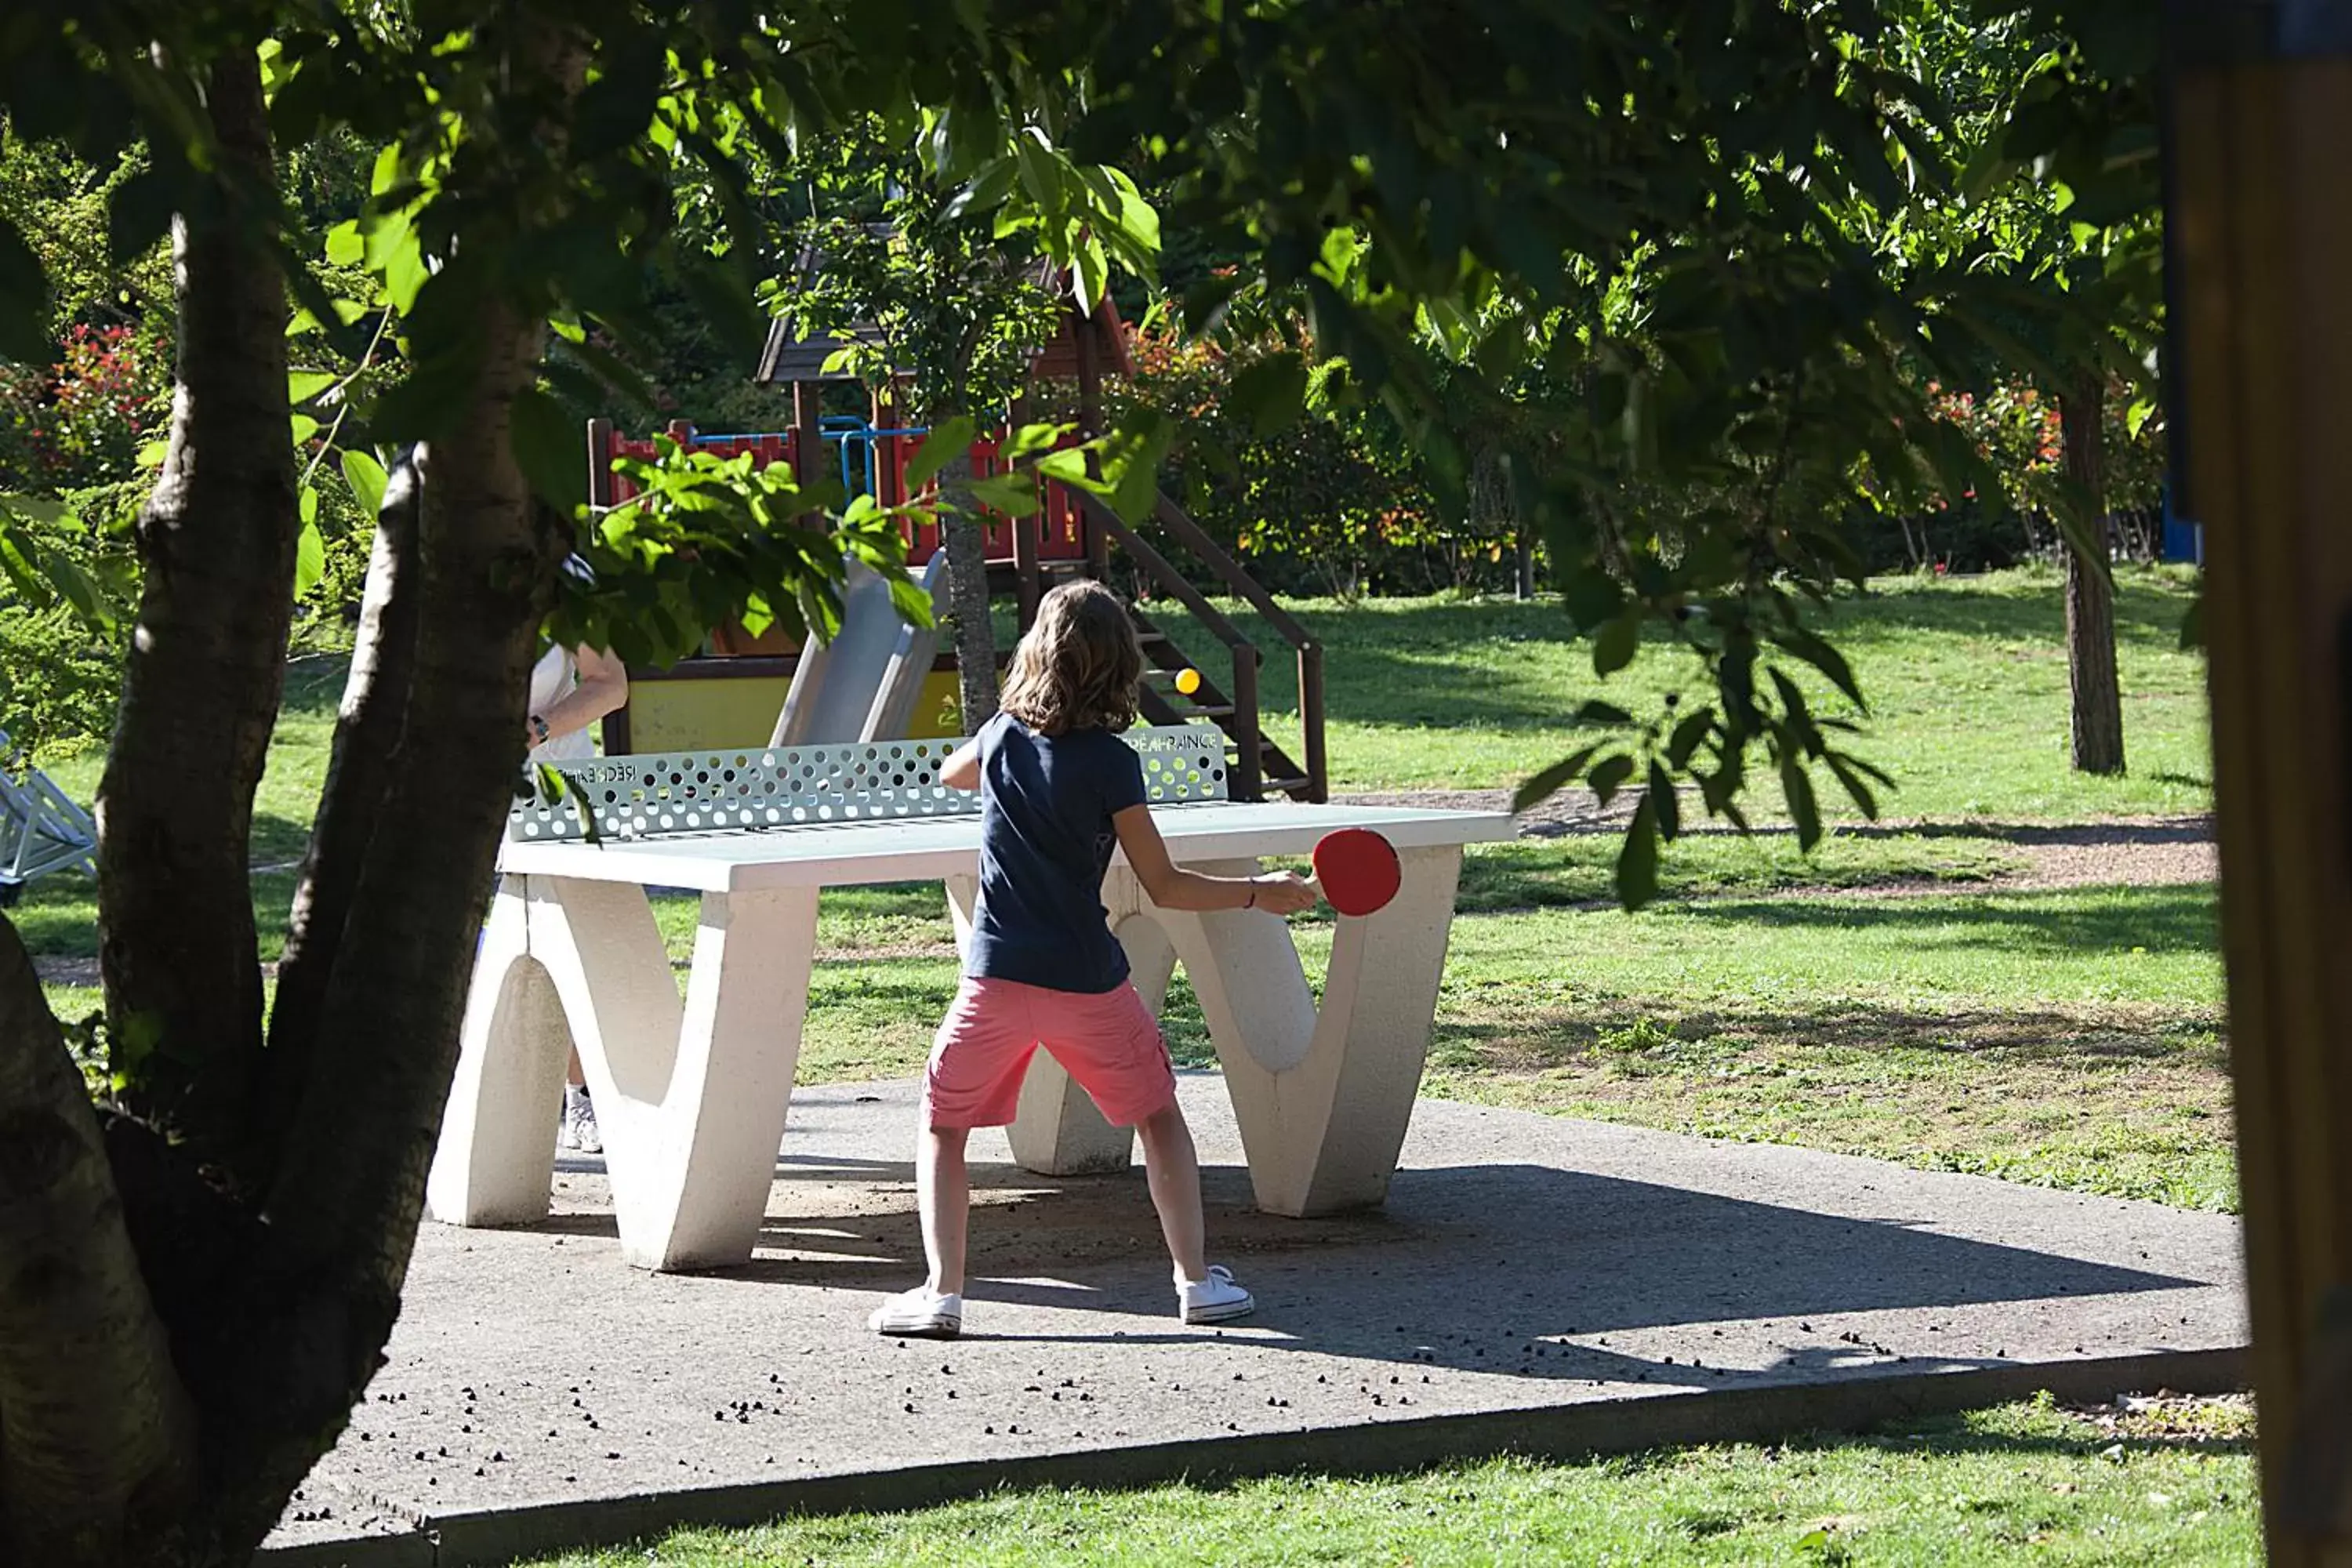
x,y
1486,1267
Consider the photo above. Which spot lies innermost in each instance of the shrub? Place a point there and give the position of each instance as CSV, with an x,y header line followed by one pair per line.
x,y
82,421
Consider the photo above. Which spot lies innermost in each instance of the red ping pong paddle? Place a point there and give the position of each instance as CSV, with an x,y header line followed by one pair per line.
x,y
1357,870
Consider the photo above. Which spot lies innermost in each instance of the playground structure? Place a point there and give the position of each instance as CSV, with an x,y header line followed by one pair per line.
x,y
881,680
41,830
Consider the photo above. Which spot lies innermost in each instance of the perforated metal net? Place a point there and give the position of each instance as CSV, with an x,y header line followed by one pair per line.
x,y
721,790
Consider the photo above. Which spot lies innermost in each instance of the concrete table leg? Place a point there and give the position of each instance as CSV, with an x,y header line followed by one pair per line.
x,y
690,1095
497,1138
1323,1096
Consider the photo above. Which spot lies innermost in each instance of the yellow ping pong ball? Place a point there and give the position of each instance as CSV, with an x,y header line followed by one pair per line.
x,y
1188,681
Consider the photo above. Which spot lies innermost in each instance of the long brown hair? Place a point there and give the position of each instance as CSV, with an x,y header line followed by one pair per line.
x,y
1078,668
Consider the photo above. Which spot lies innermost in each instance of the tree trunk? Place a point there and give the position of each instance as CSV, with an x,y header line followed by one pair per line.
x,y
1523,548
279,1289
96,1440
2098,713
205,669
975,635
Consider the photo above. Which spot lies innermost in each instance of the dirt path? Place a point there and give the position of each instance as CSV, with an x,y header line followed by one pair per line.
x,y
2135,851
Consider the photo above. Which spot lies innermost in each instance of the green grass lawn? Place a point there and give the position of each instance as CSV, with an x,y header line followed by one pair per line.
x,y
2030,1483
1966,678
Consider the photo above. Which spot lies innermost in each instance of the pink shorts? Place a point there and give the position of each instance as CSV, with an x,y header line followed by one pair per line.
x,y
1109,1042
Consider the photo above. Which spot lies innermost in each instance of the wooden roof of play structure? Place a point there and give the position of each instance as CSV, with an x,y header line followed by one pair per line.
x,y
788,358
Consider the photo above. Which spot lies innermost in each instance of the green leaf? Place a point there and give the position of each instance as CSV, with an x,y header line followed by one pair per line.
x,y
301,427
551,451
1805,646
301,386
616,109
1609,775
1089,273
1270,393
1796,786
367,479
949,440
1637,862
1031,439
138,216
345,246
1856,787
24,299
1595,711
1205,302
1664,803
1014,495
1590,597
1688,737
1799,723
1549,782
615,372
907,598
309,560
311,549
1614,646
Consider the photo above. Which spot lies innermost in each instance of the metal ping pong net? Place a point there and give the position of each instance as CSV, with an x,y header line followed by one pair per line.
x,y
721,790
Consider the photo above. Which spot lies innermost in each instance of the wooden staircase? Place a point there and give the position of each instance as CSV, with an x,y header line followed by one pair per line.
x,y
1261,765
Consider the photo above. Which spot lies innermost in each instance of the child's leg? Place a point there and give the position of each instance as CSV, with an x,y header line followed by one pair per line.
x,y
943,1195
1173,1170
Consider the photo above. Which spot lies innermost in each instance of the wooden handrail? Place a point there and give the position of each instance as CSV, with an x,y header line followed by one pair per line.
x,y
1194,538
1164,575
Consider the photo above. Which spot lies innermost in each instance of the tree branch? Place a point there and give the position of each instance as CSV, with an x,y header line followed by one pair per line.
x,y
347,1191
96,1429
359,780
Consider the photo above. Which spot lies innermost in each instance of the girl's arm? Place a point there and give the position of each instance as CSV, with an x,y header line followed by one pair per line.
x,y
603,686
1281,892
961,770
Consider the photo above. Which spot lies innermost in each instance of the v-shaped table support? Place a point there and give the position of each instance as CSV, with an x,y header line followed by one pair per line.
x,y
691,1094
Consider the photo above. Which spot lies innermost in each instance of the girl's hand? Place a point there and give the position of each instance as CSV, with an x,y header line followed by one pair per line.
x,y
1284,893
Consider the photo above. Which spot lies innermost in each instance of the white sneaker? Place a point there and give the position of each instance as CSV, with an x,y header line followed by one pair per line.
x,y
918,1314
1214,1299
579,1122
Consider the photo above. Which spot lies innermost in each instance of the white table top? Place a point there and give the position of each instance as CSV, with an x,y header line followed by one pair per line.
x,y
922,849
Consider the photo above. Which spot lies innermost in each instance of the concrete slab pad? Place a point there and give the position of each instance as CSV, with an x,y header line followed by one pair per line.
x,y
1534,1283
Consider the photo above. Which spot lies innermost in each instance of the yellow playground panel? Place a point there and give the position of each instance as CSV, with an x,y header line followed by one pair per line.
x,y
686,715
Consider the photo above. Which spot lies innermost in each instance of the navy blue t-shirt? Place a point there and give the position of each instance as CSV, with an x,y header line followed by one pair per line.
x,y
1045,840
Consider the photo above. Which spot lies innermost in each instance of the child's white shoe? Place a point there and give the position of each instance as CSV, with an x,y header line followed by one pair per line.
x,y
1213,1299
918,1314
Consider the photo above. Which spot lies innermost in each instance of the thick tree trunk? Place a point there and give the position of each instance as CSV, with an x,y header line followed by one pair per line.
x,y
205,670
2098,713
95,1441
976,635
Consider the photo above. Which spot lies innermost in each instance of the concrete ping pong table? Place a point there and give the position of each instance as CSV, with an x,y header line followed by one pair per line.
x,y
691,1094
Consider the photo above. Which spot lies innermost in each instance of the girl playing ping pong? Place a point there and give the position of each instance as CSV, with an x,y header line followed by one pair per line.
x,y
1058,790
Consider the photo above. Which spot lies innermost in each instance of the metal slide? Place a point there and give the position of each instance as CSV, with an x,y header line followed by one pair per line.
x,y
865,684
